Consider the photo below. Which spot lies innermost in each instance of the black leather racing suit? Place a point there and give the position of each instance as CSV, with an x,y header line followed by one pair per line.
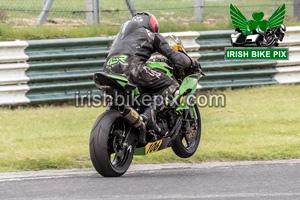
x,y
131,49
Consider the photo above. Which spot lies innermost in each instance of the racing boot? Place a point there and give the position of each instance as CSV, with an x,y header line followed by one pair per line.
x,y
149,118
149,115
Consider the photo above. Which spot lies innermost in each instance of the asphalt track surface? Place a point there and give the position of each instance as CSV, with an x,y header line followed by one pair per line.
x,y
213,180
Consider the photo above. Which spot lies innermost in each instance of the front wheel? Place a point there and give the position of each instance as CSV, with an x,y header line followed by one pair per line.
x,y
185,145
110,154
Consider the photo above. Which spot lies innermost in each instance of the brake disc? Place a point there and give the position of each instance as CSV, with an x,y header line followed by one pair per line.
x,y
118,145
192,134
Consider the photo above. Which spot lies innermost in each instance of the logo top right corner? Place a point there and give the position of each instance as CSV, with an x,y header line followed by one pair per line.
x,y
257,32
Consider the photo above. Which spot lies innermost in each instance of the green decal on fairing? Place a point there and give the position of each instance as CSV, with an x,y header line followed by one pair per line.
x,y
160,65
116,59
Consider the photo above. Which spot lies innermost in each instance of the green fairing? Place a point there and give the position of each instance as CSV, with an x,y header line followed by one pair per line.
x,y
188,83
160,65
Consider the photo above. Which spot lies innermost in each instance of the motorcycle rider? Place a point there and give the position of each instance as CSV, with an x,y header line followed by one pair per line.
x,y
132,47
273,34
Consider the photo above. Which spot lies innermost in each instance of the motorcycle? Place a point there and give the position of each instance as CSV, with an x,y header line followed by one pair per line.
x,y
271,37
116,134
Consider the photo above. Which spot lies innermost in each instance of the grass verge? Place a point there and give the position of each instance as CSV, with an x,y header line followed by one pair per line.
x,y
256,124
10,33
43,32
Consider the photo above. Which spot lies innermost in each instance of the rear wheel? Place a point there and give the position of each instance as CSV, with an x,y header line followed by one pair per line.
x,y
185,145
110,154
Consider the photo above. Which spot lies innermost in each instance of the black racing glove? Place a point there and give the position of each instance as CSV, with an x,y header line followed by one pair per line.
x,y
195,66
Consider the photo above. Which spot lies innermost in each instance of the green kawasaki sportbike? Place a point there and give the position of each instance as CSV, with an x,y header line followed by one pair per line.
x,y
115,136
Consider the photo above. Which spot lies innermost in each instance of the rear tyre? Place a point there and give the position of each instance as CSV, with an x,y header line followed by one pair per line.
x,y
108,154
185,146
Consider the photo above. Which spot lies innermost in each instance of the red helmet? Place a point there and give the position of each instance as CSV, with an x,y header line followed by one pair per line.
x,y
147,20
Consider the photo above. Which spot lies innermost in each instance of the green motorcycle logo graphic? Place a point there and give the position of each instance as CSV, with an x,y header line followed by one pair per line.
x,y
240,21
257,31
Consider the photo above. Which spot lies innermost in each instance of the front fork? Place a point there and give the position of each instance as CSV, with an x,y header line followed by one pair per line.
x,y
189,119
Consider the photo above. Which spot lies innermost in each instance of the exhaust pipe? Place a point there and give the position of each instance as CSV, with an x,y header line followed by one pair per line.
x,y
135,120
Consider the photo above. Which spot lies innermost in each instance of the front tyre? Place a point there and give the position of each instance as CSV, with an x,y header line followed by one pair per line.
x,y
109,153
185,145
